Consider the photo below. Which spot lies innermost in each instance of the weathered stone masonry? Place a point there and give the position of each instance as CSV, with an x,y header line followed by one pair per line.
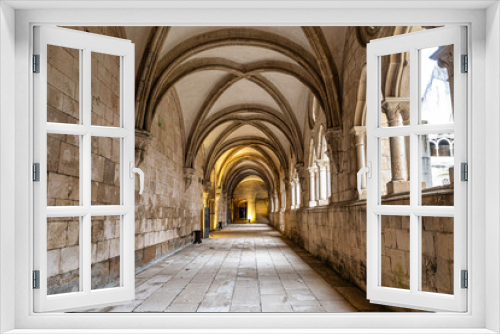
x,y
165,216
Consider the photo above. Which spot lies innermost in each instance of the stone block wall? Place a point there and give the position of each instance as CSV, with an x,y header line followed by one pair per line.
x,y
166,213
336,234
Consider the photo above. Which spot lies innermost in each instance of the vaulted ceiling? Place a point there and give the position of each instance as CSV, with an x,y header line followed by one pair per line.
x,y
244,92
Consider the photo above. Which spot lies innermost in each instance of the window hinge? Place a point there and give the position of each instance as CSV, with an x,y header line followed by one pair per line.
x,y
36,279
465,64
36,63
36,172
464,171
465,279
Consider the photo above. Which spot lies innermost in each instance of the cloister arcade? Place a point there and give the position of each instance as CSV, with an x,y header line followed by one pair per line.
x,y
253,125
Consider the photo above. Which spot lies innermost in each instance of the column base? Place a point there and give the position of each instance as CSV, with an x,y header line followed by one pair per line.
x,y
313,203
323,202
397,187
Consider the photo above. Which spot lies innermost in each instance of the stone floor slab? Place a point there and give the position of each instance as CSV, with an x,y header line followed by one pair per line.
x,y
243,268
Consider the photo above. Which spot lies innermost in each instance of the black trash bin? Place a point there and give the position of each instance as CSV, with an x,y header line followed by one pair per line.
x,y
197,237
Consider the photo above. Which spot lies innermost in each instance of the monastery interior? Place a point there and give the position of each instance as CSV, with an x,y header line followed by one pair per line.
x,y
256,129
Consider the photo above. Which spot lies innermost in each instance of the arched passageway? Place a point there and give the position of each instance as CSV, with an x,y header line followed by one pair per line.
x,y
259,131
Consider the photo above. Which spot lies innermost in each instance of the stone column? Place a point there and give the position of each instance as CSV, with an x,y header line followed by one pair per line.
x,y
322,183
405,115
312,186
216,209
328,182
399,169
302,186
318,186
298,198
359,134
288,195
223,207
294,203
276,203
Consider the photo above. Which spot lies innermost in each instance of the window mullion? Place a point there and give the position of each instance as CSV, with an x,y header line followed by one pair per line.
x,y
86,161
415,184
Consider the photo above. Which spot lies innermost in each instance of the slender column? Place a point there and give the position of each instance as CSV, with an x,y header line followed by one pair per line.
x,y
301,183
359,134
298,196
328,182
288,195
312,186
276,203
399,170
322,180
294,203
405,115
316,178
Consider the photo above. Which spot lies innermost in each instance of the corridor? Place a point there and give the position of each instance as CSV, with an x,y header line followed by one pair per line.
x,y
243,268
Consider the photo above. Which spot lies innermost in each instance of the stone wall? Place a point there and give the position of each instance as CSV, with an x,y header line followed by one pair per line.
x,y
336,234
166,213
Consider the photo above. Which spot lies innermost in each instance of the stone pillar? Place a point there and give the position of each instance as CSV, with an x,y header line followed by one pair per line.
x,y
288,195
223,208
316,178
359,134
328,181
399,170
206,209
216,209
405,115
302,185
312,186
294,203
323,198
276,203
298,196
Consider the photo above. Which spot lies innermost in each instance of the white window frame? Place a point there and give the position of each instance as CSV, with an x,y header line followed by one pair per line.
x,y
376,292
482,315
85,43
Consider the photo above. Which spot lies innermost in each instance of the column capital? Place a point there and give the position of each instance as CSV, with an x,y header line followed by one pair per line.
x,y
358,130
322,164
393,107
312,169
359,134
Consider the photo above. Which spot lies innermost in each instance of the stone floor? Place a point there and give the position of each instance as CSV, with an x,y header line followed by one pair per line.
x,y
244,268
